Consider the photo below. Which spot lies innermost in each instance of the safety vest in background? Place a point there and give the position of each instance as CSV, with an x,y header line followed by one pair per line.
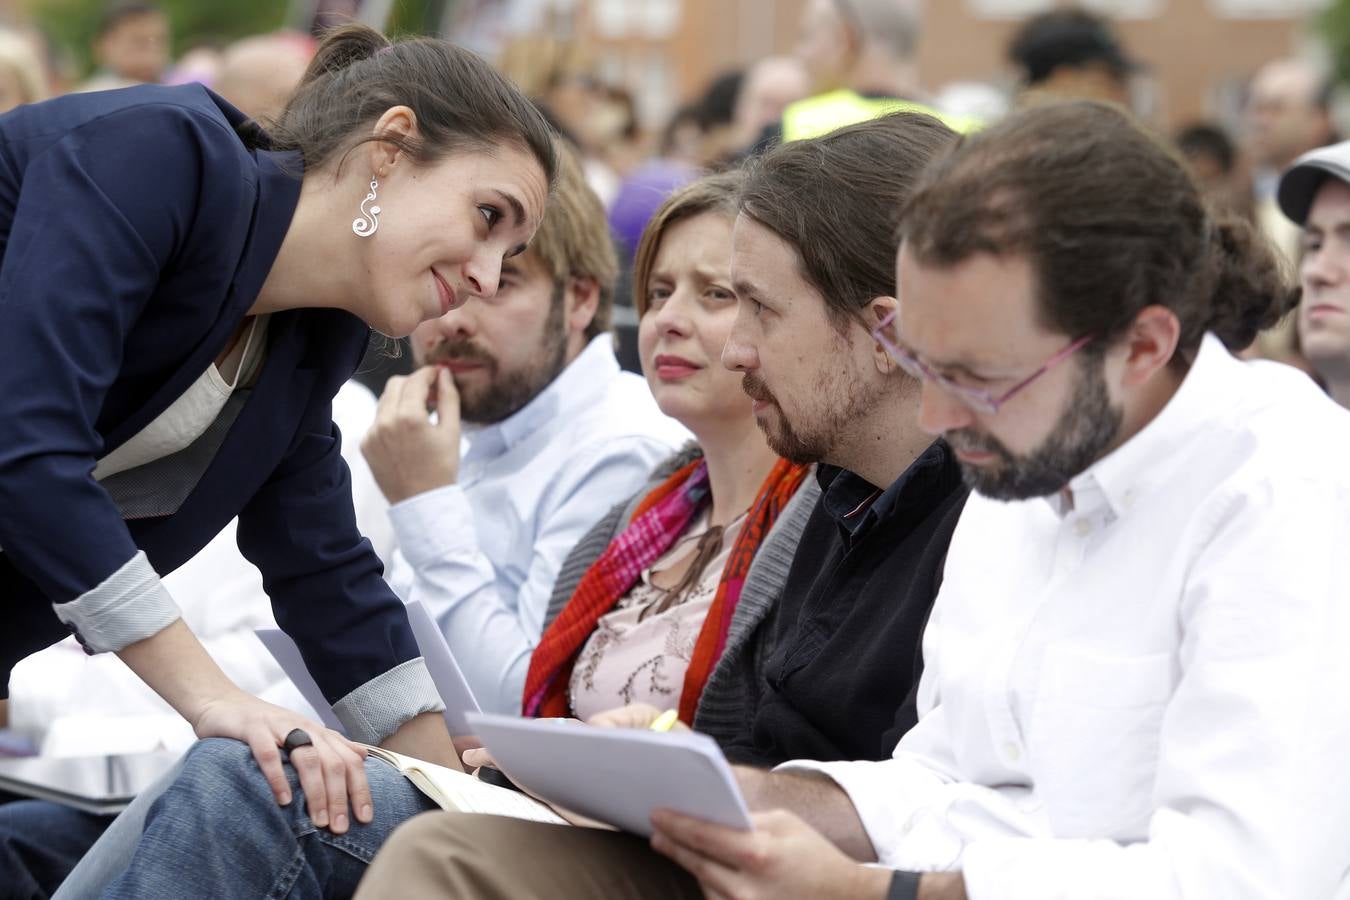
x,y
824,113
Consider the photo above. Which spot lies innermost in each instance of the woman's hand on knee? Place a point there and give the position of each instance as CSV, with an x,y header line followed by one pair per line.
x,y
330,768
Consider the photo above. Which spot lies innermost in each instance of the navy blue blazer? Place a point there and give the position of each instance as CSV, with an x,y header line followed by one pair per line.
x,y
136,229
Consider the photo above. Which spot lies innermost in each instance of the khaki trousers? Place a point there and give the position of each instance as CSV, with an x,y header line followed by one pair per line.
x,y
452,855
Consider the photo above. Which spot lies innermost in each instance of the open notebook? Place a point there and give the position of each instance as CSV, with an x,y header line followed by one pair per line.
x,y
456,791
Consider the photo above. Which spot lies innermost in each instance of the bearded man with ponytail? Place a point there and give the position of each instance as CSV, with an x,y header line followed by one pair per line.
x,y
1135,678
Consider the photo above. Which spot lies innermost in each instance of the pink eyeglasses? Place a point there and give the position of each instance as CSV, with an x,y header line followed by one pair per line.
x,y
976,398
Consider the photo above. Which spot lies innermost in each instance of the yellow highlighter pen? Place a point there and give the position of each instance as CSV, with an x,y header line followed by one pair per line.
x,y
665,721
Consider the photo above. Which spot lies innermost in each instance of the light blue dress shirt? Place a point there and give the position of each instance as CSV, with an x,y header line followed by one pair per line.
x,y
483,554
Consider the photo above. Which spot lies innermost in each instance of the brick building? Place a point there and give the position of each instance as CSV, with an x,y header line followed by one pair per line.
x,y
1199,52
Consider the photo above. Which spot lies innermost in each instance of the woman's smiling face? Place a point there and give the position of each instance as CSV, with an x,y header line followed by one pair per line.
x,y
443,230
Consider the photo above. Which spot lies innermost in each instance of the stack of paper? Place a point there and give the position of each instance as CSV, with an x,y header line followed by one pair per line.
x,y
615,775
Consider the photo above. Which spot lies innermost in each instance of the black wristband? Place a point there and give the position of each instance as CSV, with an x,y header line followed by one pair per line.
x,y
495,776
904,886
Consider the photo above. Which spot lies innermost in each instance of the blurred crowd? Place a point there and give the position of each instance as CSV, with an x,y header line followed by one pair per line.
x,y
850,62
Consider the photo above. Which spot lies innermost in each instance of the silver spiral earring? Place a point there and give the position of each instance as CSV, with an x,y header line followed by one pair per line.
x,y
366,223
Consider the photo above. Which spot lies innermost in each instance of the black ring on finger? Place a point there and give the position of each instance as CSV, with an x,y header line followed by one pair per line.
x,y
297,737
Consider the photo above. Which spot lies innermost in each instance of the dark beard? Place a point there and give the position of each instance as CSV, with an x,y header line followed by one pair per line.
x,y
784,440
505,395
805,445
1078,440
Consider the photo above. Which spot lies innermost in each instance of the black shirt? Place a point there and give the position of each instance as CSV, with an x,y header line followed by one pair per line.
x,y
833,669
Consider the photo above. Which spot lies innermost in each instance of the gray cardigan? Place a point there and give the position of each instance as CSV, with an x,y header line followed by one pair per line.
x,y
721,709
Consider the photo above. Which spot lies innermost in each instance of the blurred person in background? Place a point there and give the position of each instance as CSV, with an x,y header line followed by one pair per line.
x,y
861,57
770,86
55,60
742,111
199,64
717,112
1288,113
559,76
131,46
258,74
1315,193
1070,54
22,78
618,129
682,137
700,136
1212,157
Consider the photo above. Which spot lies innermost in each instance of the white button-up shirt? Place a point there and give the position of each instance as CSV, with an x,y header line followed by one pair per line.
x,y
1144,691
483,554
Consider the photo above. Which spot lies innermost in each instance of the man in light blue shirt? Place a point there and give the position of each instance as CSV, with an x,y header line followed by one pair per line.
x,y
537,434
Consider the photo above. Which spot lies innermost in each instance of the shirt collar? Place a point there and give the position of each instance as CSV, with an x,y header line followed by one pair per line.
x,y
279,180
856,504
1120,478
581,385
846,496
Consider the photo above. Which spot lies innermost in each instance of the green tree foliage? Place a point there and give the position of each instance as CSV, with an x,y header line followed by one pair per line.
x,y
416,16
1334,25
72,23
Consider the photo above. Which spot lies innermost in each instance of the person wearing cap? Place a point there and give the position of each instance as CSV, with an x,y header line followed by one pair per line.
x,y
1071,54
1315,194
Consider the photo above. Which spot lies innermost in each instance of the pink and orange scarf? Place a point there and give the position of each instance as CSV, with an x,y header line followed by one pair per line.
x,y
659,521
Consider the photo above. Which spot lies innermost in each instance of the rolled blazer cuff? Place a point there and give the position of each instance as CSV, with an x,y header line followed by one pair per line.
x,y
379,707
130,605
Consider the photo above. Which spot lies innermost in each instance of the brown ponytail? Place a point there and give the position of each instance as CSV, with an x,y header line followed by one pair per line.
x,y
459,100
342,47
1252,291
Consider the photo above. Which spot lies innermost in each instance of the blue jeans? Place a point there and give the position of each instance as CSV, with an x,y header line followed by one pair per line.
x,y
40,842
109,857
218,832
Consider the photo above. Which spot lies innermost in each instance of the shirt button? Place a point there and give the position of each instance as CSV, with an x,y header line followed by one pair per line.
x,y
1012,751
1083,527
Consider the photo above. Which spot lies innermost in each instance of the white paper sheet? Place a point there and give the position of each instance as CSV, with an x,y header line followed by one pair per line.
x,y
615,775
287,655
445,672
